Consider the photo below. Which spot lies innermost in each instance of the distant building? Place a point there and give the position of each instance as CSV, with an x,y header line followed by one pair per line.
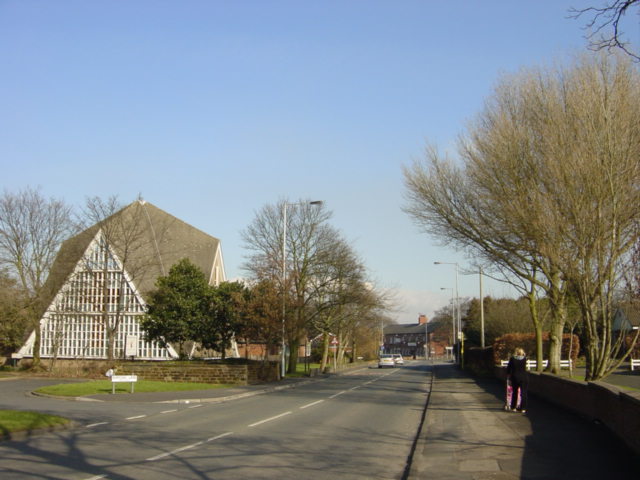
x,y
626,319
408,339
101,279
626,322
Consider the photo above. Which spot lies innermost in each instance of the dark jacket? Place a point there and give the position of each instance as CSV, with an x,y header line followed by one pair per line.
x,y
517,369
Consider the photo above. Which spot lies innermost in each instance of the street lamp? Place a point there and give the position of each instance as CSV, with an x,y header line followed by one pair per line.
x,y
481,310
427,347
284,274
459,321
480,274
453,318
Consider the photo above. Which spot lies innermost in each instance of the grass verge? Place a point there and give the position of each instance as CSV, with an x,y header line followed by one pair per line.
x,y
96,387
303,370
12,421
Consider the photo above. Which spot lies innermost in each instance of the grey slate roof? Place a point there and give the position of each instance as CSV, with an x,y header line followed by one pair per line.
x,y
147,239
404,328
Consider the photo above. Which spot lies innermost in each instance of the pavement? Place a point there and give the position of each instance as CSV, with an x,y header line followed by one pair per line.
x,y
467,435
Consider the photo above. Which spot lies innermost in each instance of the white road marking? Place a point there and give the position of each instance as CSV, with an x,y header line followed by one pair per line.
x,y
311,404
170,411
219,436
97,477
137,416
173,452
187,447
269,419
339,393
95,425
195,406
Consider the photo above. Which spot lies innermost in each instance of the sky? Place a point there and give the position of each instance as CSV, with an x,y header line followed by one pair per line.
x,y
212,109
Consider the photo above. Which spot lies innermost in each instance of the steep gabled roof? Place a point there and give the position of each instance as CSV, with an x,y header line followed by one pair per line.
x,y
147,240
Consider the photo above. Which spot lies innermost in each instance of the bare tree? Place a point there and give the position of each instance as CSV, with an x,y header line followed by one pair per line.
x,y
605,25
461,205
31,231
549,182
318,263
342,297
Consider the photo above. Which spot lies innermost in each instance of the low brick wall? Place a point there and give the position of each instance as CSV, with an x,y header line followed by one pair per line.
x,y
617,409
217,373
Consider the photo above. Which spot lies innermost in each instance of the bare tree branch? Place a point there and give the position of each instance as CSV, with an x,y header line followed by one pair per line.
x,y
605,26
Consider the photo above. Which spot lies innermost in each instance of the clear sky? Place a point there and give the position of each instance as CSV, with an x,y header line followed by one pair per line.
x,y
212,109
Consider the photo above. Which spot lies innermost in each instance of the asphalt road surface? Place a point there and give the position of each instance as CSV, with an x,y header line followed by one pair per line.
x,y
356,426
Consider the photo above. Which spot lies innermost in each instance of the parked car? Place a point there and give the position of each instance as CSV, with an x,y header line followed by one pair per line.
x,y
397,358
386,360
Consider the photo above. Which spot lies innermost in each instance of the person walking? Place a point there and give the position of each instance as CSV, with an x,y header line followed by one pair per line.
x,y
519,378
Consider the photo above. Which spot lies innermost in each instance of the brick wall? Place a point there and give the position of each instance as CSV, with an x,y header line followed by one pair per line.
x,y
217,373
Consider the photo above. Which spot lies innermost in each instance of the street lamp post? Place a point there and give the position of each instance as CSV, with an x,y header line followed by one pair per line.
x,y
458,319
453,317
284,275
481,310
480,275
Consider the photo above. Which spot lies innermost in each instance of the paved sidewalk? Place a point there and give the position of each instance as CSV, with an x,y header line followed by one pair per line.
x,y
467,435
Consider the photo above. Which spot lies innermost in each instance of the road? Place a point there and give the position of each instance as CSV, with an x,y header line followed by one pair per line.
x,y
356,426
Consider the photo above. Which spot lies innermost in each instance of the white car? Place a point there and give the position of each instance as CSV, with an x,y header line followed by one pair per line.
x,y
397,358
386,360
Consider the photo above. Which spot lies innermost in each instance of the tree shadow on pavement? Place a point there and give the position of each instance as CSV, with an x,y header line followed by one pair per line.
x,y
559,441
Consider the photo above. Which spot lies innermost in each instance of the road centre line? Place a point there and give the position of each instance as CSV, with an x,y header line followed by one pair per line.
x,y
269,419
173,452
91,425
356,387
311,404
226,434
170,411
134,418
187,447
336,394
97,477
195,406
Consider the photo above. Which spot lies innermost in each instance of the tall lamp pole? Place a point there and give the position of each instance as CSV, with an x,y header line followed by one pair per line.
x,y
480,275
458,320
284,276
481,311
453,316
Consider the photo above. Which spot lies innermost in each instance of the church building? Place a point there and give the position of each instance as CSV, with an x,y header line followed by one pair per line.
x,y
96,291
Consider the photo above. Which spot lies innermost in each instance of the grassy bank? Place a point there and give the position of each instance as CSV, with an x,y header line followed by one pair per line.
x,y
12,421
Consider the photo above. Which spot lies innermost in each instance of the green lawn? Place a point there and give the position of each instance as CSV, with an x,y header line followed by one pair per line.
x,y
17,421
104,386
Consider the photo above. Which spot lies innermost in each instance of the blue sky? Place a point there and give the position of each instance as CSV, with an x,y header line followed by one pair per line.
x,y
212,109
